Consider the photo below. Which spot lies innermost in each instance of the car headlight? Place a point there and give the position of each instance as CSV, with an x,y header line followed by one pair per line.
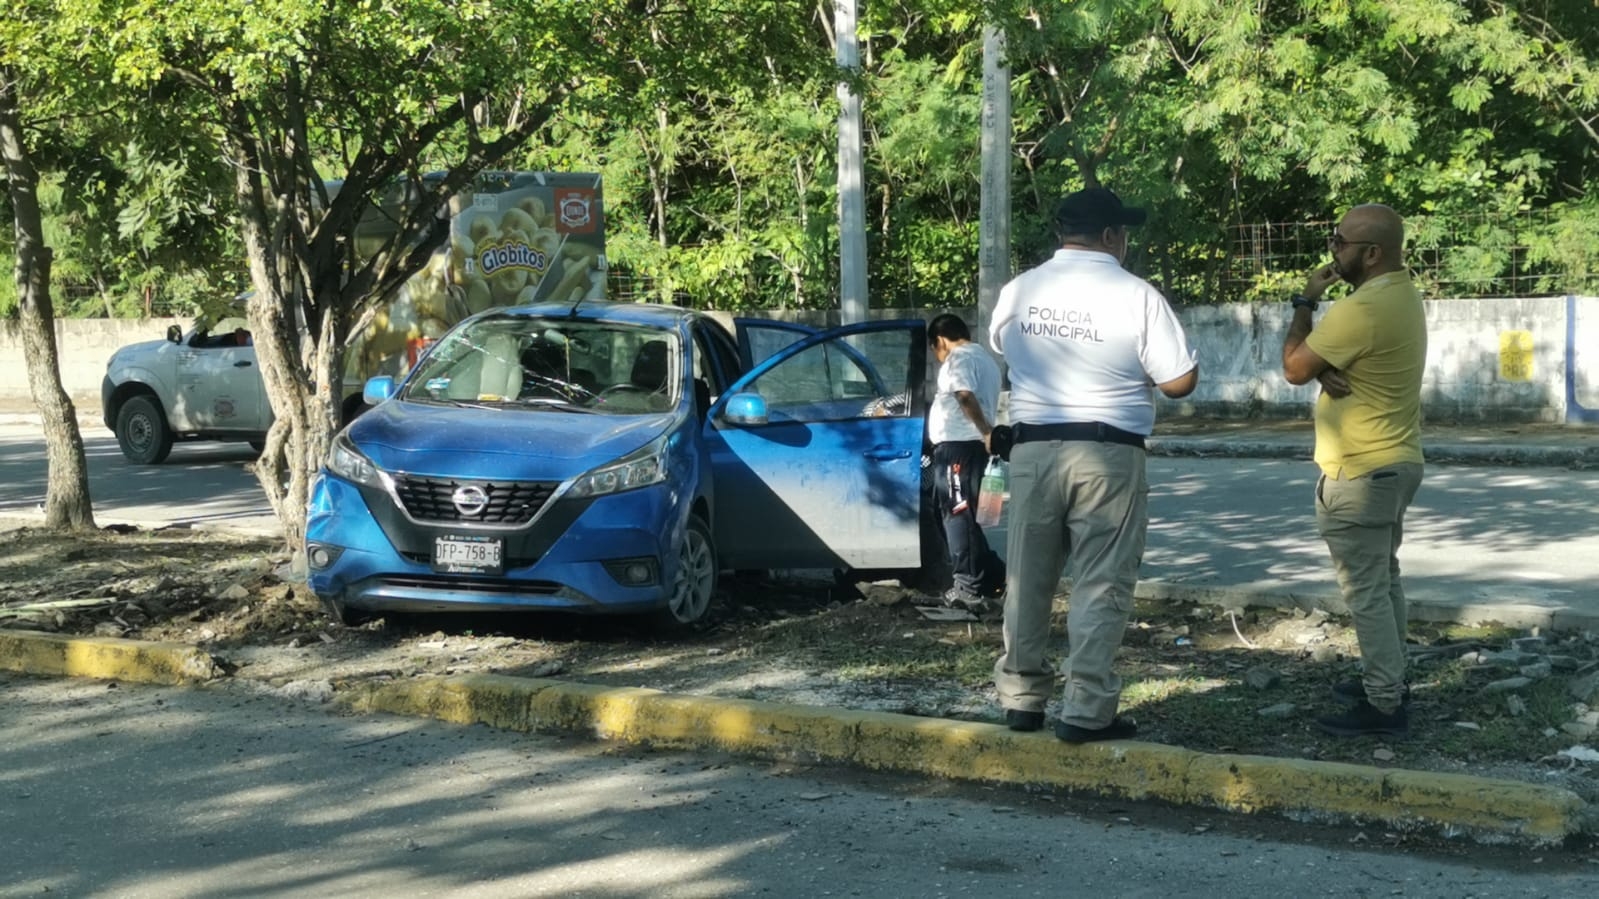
x,y
347,462
640,468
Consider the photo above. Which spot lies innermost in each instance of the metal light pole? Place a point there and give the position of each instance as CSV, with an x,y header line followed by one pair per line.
x,y
993,246
851,188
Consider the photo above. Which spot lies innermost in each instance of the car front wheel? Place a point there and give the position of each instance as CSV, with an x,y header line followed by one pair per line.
x,y
142,431
695,582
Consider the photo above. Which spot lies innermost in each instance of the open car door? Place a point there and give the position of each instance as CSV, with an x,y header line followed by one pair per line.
x,y
816,453
759,338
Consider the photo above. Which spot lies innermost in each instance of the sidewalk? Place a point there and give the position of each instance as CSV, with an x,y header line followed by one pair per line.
x,y
1531,443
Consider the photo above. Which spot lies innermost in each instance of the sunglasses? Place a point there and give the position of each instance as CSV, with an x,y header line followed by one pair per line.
x,y
1336,242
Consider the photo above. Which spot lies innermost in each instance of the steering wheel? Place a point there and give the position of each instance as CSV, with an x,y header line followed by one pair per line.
x,y
570,390
624,387
616,390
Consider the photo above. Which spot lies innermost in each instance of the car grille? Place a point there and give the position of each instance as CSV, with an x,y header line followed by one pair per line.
x,y
458,584
509,502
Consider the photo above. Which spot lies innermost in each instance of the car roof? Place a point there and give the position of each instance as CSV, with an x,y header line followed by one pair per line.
x,y
656,315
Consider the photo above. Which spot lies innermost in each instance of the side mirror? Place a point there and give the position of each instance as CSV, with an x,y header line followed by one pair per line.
x,y
174,334
745,410
377,390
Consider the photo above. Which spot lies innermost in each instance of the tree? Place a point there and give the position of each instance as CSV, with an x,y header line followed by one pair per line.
x,y
67,501
300,94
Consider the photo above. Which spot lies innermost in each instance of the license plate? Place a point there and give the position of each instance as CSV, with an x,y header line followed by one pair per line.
x,y
468,555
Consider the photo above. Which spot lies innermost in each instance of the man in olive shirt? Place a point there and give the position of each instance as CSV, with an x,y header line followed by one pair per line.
x,y
1368,352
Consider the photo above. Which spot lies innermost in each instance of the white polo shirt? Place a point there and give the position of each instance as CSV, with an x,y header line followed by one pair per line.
x,y
967,367
1087,340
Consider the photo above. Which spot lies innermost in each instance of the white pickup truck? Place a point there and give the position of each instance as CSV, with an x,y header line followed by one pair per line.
x,y
203,385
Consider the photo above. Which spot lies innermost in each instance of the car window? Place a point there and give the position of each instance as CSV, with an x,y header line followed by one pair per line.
x,y
234,330
764,343
544,363
844,378
719,353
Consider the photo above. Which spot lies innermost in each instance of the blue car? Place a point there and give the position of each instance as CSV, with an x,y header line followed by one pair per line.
x,y
615,458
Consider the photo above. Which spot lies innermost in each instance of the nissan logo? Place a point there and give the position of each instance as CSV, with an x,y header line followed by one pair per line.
x,y
470,500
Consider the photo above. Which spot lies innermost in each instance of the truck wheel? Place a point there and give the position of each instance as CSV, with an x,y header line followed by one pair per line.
x,y
695,583
142,431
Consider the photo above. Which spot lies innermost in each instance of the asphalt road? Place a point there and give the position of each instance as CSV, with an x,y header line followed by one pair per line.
x,y
202,482
1479,539
1476,537
134,791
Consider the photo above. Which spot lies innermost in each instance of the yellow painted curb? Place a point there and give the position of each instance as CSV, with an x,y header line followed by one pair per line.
x,y
1451,804
107,658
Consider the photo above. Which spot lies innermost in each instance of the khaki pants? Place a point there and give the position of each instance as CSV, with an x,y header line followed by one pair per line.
x,y
1084,506
1363,521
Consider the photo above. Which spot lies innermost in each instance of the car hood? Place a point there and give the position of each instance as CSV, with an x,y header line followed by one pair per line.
x,y
509,443
136,353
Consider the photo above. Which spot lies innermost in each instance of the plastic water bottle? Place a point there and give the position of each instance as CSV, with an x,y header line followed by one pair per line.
x,y
991,502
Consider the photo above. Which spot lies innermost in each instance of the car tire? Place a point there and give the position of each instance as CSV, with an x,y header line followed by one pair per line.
x,y
694,584
142,431
258,445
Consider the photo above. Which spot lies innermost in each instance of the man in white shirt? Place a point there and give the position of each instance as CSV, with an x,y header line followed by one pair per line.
x,y
958,425
1085,341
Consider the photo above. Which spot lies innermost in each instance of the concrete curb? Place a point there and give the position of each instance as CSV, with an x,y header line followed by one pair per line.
x,y
109,658
1449,804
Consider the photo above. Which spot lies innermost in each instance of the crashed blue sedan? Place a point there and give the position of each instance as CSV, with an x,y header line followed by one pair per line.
x,y
616,457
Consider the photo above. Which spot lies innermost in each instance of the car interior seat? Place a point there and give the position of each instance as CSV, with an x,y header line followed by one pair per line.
x,y
651,367
544,370
502,367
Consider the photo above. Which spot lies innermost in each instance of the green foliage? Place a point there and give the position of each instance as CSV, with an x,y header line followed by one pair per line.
x,y
1475,119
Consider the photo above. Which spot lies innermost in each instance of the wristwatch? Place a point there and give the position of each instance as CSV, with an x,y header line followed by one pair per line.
x,y
1300,301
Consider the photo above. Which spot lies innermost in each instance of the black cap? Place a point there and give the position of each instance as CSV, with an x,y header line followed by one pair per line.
x,y
1093,209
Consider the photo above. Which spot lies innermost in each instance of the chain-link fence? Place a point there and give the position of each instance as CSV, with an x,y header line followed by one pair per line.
x,y
1526,255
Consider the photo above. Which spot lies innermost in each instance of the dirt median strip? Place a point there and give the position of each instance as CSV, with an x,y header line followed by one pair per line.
x,y
1446,804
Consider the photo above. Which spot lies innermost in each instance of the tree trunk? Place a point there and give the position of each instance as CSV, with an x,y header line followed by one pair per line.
x,y
285,467
66,504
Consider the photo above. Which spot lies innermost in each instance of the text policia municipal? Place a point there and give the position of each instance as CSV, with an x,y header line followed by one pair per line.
x,y
1067,324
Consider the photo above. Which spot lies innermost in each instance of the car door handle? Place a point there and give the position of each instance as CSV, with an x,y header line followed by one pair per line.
x,y
886,454
242,363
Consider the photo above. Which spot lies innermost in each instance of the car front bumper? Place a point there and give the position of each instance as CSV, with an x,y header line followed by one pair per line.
x,y
572,570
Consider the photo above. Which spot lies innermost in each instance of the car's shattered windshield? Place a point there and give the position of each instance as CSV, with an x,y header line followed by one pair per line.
x,y
552,364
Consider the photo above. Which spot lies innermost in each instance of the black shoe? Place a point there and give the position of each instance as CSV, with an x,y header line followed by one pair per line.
x,y
1118,729
1364,719
1353,692
1016,719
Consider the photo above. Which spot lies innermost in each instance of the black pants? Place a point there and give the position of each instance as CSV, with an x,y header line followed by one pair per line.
x,y
957,475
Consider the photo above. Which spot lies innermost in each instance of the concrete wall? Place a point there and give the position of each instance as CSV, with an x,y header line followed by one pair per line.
x,y
1487,360
83,345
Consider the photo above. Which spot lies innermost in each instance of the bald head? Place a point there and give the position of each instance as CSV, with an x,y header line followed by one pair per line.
x,y
1376,223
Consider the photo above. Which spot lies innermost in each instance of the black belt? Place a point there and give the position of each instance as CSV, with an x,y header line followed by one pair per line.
x,y
1077,430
